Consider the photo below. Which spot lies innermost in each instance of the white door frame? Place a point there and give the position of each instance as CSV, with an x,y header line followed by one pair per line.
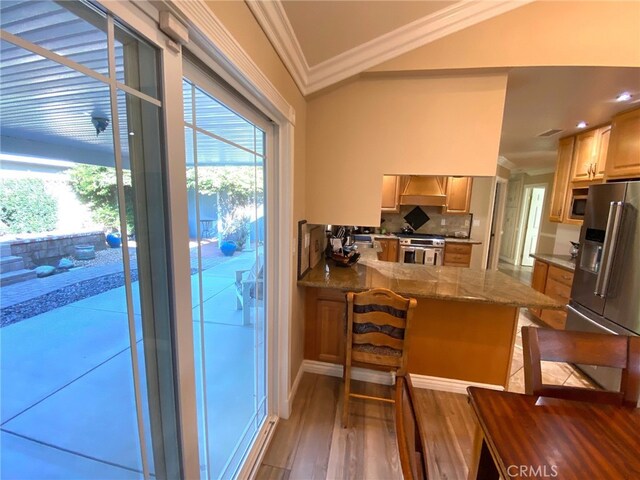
x,y
524,216
499,202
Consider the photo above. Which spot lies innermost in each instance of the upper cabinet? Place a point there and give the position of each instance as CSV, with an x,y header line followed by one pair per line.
x,y
623,157
561,180
609,152
391,189
590,154
458,192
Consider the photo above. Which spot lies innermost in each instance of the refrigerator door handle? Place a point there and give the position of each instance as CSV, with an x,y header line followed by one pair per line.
x,y
584,317
610,240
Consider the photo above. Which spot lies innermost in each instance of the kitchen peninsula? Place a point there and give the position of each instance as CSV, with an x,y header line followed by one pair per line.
x,y
464,326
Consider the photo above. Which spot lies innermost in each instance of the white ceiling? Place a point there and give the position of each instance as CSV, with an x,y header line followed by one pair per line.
x,y
351,23
324,42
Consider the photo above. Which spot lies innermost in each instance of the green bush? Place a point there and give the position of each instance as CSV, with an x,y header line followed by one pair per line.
x,y
97,188
26,207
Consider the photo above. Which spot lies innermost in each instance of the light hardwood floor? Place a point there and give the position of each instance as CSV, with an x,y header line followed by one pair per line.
x,y
312,444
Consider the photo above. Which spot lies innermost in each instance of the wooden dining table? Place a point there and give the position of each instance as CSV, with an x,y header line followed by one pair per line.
x,y
524,436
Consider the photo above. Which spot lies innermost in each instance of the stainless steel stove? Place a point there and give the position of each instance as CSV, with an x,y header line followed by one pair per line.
x,y
421,248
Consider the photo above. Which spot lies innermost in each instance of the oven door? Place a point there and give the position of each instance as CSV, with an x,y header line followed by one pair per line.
x,y
410,254
433,256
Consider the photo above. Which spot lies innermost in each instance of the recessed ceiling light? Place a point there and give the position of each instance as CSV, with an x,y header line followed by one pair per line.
x,y
582,124
623,97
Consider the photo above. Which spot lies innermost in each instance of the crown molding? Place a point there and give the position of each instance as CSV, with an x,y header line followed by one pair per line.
x,y
210,34
504,162
273,20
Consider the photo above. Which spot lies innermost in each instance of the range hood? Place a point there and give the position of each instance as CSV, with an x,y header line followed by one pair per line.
x,y
426,191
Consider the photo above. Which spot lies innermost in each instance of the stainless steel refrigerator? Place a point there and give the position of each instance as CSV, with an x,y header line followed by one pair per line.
x,y
605,296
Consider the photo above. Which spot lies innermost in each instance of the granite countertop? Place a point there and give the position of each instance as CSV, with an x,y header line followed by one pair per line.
x,y
446,239
462,240
562,261
445,283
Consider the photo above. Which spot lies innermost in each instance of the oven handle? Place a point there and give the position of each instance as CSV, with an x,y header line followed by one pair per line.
x,y
610,240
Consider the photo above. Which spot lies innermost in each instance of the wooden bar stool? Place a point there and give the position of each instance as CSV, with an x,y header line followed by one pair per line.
x,y
378,324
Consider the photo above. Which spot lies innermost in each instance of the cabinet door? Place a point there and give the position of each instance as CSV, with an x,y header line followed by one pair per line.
x,y
539,281
384,245
392,250
604,134
561,179
330,333
539,276
458,194
390,193
584,159
623,157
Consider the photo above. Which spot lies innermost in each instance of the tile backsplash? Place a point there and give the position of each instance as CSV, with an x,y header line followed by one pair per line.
x,y
393,222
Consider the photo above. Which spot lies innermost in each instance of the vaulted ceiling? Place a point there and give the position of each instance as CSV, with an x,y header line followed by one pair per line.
x,y
325,42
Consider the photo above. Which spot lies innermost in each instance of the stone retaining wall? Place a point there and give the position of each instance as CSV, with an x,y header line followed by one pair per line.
x,y
47,250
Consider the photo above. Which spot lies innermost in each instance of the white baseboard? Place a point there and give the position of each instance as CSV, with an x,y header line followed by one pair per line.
x,y
292,392
373,376
448,384
333,370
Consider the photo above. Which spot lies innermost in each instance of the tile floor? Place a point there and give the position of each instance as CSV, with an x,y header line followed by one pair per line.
x,y
67,397
518,272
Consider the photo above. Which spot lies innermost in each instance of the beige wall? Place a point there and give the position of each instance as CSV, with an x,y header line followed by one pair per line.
x,y
239,20
547,33
446,125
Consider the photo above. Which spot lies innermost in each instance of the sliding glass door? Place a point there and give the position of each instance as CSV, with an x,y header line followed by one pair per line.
x,y
85,335
103,278
226,145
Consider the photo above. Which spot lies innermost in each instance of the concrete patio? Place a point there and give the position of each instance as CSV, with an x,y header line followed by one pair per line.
x,y
67,399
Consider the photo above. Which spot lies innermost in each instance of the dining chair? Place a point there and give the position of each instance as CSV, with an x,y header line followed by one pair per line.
x,y
617,351
410,447
378,323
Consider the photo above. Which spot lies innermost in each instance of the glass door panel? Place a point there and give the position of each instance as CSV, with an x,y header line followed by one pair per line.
x,y
85,338
225,156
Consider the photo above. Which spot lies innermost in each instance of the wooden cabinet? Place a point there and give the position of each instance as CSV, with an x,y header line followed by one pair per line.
x,y
458,191
604,136
390,247
561,179
590,155
623,157
325,325
391,190
539,281
584,150
457,254
555,282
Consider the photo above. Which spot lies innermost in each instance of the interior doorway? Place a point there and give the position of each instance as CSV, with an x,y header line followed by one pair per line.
x,y
531,218
497,218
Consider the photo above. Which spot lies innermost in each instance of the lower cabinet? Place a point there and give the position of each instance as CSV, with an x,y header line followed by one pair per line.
x,y
389,251
556,283
325,317
457,254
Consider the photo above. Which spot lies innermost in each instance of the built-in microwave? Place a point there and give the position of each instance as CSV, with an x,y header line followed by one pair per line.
x,y
578,207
